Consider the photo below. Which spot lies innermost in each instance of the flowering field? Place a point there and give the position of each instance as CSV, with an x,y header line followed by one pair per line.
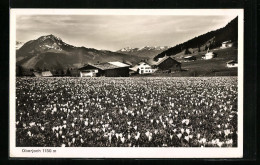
x,y
127,112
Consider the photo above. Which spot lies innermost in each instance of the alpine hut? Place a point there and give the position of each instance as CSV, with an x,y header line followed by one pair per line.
x,y
165,63
109,69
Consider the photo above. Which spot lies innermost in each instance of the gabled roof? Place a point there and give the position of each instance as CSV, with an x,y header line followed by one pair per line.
x,y
106,66
231,61
160,60
119,64
187,57
36,74
210,53
225,42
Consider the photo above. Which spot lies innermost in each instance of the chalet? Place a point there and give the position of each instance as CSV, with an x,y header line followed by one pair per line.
x,y
227,44
189,58
232,64
209,55
165,63
43,74
142,68
109,69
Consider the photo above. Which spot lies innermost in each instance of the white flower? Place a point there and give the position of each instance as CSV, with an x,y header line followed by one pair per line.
x,y
29,133
188,131
227,132
179,135
219,143
186,138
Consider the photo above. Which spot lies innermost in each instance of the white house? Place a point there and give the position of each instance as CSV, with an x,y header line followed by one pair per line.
x,y
142,68
209,55
88,73
232,64
226,44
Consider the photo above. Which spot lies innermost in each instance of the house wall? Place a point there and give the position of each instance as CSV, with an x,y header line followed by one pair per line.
x,y
117,72
144,69
232,65
88,73
169,64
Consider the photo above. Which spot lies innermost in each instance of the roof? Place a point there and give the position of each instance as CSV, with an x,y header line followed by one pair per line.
x,y
46,74
135,68
119,64
189,56
231,61
106,66
225,42
36,74
209,53
160,60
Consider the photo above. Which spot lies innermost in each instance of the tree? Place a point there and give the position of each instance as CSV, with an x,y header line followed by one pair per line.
x,y
187,51
62,72
206,48
57,72
19,70
68,73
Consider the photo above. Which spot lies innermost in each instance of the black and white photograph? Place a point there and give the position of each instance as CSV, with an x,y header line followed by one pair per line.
x,y
104,83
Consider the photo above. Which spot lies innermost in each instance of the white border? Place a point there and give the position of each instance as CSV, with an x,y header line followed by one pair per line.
x,y
125,152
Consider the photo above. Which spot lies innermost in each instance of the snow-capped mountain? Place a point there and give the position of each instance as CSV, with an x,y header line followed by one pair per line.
x,y
51,52
146,51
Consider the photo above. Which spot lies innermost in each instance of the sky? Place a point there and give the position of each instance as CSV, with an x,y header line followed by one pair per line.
x,y
114,32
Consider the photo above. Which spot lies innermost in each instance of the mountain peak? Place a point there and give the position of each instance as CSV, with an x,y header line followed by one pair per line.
x,y
50,36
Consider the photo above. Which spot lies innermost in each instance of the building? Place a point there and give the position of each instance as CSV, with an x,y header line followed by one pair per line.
x,y
46,74
43,74
227,44
232,64
109,69
37,74
142,68
165,63
209,55
189,58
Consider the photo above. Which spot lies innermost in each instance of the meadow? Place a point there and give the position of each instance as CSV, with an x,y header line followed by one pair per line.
x,y
126,112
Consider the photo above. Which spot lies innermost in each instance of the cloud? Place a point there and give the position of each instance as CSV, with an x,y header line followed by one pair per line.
x,y
114,32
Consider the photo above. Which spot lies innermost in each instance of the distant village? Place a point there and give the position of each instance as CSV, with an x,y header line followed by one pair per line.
x,y
166,64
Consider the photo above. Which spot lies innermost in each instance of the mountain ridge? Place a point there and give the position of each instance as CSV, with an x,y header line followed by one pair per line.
x,y
145,51
50,52
205,41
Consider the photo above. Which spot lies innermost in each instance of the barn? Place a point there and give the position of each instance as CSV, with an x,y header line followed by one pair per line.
x,y
166,63
227,44
109,69
189,58
232,64
209,55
